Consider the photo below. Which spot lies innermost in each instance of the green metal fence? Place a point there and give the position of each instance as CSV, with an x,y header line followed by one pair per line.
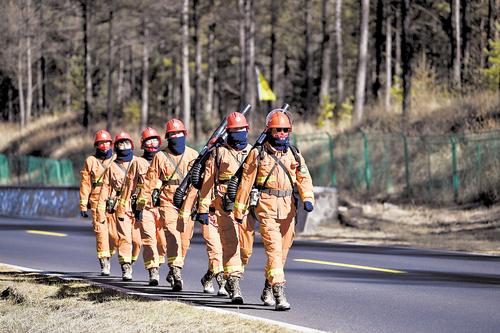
x,y
454,168
36,171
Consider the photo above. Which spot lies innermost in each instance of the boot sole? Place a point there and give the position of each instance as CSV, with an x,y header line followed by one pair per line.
x,y
222,293
127,279
153,283
177,287
237,300
282,309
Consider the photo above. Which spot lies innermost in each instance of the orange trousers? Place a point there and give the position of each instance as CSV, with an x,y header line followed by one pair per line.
x,y
212,238
106,236
129,239
153,238
178,235
233,236
277,236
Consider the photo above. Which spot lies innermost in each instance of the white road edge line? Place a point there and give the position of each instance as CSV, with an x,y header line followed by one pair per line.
x,y
152,296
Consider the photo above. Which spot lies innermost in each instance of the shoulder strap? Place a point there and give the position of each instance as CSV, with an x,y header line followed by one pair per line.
x,y
278,161
94,184
126,173
176,165
295,152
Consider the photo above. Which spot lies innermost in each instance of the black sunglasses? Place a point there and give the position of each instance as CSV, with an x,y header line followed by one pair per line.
x,y
284,130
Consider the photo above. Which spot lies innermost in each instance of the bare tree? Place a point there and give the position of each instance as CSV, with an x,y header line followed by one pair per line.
x,y
340,53
362,62
397,47
209,110
326,50
109,105
406,46
145,72
379,42
309,56
87,114
186,89
457,50
251,74
243,50
388,58
41,60
20,87
29,83
198,75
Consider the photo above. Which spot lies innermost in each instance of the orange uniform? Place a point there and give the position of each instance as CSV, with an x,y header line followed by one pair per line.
x,y
92,175
178,231
236,239
129,238
276,208
151,229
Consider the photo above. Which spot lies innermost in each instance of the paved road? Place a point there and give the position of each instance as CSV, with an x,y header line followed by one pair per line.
x,y
331,287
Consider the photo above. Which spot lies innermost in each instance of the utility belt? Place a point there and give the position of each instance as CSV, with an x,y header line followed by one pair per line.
x,y
170,182
277,193
223,181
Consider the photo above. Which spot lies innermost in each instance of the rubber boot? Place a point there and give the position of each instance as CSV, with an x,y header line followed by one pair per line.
x,y
177,277
154,276
222,284
170,278
126,272
279,294
206,282
105,266
234,284
267,294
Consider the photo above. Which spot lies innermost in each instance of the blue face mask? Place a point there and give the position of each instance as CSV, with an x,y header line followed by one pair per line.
x,y
124,155
237,140
103,155
177,145
148,155
278,143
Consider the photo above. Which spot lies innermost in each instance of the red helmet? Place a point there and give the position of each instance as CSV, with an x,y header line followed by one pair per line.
x,y
124,136
148,133
175,125
279,119
102,135
236,120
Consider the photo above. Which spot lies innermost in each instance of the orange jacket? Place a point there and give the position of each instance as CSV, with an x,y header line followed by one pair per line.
x,y
255,172
92,173
133,183
163,169
112,183
221,165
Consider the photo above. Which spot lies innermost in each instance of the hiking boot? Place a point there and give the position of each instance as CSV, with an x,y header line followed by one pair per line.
x,y
154,276
206,282
170,278
126,272
279,294
105,266
267,295
177,278
222,284
234,285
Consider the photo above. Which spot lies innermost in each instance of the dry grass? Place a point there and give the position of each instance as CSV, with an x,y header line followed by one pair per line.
x,y
31,302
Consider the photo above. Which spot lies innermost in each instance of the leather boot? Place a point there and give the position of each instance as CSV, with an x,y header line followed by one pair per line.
x,y
279,294
206,282
105,266
177,277
234,284
267,294
222,282
154,276
126,272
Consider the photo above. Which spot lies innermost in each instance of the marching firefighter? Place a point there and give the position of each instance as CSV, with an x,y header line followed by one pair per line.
x,y
91,181
275,169
220,166
170,166
129,238
152,235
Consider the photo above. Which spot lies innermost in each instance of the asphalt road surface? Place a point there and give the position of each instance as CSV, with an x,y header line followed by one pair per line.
x,y
331,287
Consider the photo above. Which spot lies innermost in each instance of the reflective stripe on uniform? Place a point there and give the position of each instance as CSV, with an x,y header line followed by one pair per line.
x,y
161,260
308,194
235,268
184,213
101,206
216,269
275,271
124,260
239,205
225,177
122,202
174,259
151,263
83,202
103,254
261,180
141,200
205,201
134,258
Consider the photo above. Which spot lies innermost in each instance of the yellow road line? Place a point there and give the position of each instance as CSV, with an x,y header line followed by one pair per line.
x,y
46,233
378,269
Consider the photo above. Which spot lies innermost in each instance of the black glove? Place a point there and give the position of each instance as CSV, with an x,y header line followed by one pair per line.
x,y
202,218
138,215
308,206
84,214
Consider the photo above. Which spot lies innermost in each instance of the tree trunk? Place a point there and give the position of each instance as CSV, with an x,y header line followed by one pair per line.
x,y
309,57
198,72
209,109
407,55
87,114
41,61
465,24
457,50
273,53
388,59
121,79
362,62
250,73
29,83
131,72
243,51
379,42
326,50
145,73
10,115
398,72
490,28
339,53
186,89
109,104
22,111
